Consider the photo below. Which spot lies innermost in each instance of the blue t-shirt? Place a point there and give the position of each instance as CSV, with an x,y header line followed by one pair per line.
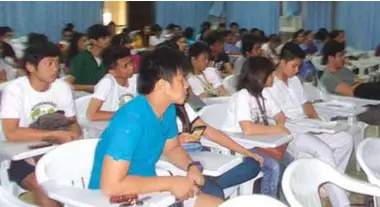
x,y
137,135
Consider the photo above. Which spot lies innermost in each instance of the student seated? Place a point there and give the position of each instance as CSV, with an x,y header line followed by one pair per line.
x,y
218,59
234,28
78,44
86,69
205,30
242,32
189,34
144,129
204,81
308,72
337,79
251,46
299,37
321,38
116,88
338,35
188,119
230,45
289,95
249,111
26,99
156,38
270,49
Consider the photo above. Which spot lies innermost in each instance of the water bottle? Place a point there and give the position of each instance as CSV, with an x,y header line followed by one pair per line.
x,y
352,117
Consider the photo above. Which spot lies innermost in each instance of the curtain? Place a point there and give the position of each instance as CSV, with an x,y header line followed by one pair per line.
x,y
293,8
318,15
360,22
183,13
49,17
259,14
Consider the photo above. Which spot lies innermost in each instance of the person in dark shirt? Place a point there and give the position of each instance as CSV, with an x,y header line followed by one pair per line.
x,y
219,59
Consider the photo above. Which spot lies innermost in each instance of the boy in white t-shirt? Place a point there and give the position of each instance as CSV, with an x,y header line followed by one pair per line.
x,y
27,98
251,46
334,149
116,88
204,81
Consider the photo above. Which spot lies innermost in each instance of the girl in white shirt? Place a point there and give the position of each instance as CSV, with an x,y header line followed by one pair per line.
x,y
116,88
204,81
251,110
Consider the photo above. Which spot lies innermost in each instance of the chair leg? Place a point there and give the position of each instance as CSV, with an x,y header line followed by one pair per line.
x,y
247,187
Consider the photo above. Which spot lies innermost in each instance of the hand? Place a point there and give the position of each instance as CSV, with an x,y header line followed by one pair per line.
x,y
186,138
258,158
65,136
196,176
182,188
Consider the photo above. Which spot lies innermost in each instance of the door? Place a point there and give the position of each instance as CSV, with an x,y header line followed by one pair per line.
x,y
140,13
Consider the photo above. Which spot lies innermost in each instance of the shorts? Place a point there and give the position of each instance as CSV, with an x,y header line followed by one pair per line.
x,y
19,170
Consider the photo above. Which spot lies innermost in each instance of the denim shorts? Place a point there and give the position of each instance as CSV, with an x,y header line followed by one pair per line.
x,y
19,170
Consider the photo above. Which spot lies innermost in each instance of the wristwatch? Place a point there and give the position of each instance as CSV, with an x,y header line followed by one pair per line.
x,y
196,164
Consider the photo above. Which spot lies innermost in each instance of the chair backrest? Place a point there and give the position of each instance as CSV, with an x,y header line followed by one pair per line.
x,y
252,200
229,83
69,164
303,177
317,62
81,104
214,115
368,154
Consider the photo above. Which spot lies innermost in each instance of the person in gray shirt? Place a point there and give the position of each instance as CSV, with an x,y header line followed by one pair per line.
x,y
251,46
339,80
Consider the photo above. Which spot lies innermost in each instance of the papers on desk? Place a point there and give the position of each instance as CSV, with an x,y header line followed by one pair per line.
x,y
336,104
315,126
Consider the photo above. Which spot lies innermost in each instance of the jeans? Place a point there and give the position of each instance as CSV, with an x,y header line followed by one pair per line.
x,y
243,172
273,170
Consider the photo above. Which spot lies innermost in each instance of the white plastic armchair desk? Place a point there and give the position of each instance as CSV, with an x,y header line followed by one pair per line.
x,y
229,83
9,200
252,200
317,62
368,155
303,177
64,174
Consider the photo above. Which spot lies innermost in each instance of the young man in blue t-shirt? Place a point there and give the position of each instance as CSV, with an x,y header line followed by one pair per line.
x,y
142,130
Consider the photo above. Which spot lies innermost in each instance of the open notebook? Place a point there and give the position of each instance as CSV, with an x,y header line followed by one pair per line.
x,y
315,125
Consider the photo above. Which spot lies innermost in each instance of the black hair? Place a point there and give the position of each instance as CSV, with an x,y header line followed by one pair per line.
x,y
213,37
322,34
35,38
335,33
189,32
331,48
170,26
4,30
222,25
177,26
248,41
162,63
73,48
298,32
183,116
203,31
206,24
232,24
111,54
156,28
111,24
308,32
97,31
34,53
118,40
275,38
253,30
254,74
198,48
70,26
242,30
292,51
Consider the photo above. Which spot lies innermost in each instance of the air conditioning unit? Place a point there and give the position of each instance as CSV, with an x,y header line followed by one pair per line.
x,y
290,24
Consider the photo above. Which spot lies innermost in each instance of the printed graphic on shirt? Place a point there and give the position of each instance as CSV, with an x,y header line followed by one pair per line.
x,y
125,98
42,108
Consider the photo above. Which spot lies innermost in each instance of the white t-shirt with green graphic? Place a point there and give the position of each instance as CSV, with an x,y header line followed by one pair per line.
x,y
113,94
21,101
